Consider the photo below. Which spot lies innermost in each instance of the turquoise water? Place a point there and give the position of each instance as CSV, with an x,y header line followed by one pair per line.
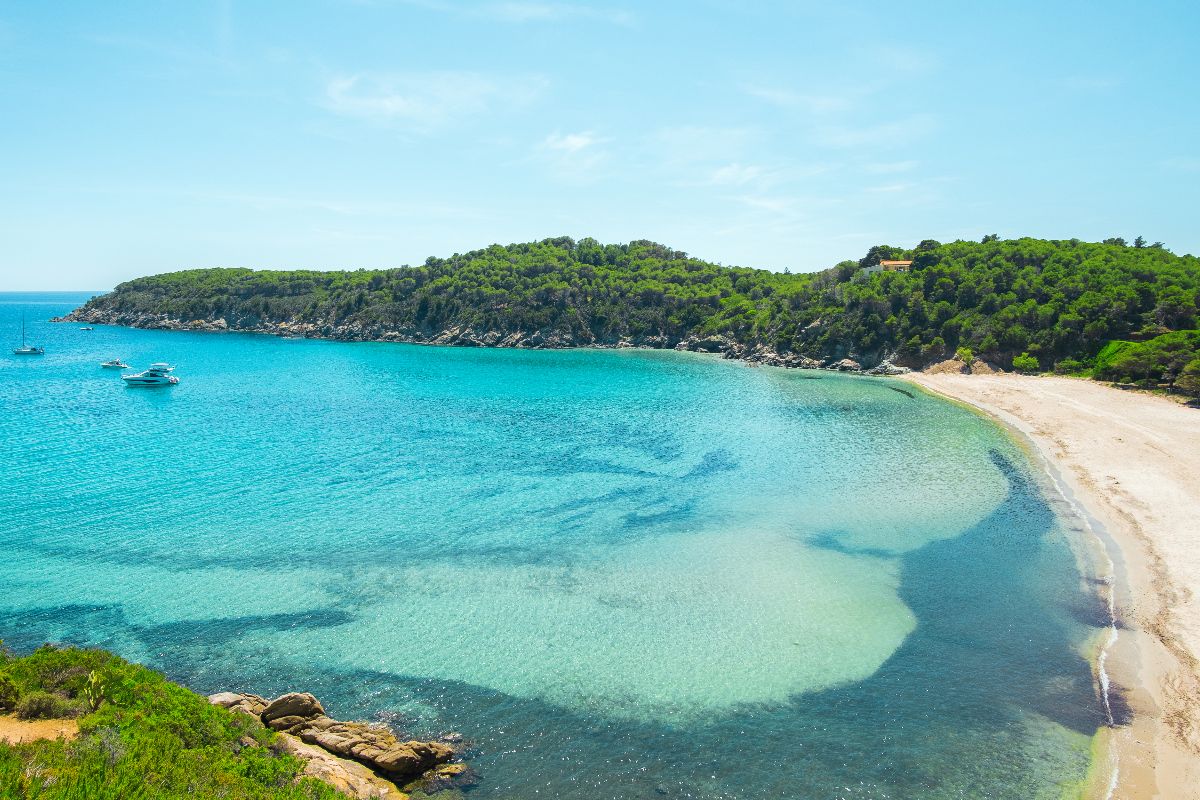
x,y
617,573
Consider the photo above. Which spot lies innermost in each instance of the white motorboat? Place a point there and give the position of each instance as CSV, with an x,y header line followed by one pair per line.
x,y
114,363
156,375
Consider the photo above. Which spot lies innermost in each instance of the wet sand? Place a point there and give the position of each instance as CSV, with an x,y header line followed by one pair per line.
x,y
1132,460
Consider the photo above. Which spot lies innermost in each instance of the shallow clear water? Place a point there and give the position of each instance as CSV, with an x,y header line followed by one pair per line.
x,y
617,573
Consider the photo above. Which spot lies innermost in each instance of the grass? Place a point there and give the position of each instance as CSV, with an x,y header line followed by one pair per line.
x,y
141,737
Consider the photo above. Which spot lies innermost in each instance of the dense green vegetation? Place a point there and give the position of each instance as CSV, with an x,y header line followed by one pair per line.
x,y
141,736
1058,302
1172,359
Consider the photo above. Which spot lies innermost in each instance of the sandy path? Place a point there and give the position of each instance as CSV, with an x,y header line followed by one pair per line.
x,y
16,731
1133,460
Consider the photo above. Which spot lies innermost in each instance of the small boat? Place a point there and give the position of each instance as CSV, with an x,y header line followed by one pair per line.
x,y
156,375
85,328
24,349
114,363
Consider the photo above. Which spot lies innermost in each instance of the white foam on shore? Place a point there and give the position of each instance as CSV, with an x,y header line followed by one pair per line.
x,y
1094,527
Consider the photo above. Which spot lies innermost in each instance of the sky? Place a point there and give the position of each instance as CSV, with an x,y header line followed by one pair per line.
x,y
140,138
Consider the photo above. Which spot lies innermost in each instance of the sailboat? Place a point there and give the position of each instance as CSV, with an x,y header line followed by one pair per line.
x,y
24,349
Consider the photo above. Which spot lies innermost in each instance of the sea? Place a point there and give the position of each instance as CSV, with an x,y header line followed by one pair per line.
x,y
613,573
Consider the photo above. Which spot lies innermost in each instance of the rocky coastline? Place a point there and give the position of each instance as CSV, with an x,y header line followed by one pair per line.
x,y
466,336
365,761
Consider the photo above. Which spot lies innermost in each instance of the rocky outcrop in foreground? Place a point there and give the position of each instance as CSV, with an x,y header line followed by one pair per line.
x,y
360,759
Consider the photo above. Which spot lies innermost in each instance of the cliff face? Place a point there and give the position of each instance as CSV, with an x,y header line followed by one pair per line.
x,y
841,358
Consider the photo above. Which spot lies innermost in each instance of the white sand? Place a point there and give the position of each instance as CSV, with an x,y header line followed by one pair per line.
x,y
1133,460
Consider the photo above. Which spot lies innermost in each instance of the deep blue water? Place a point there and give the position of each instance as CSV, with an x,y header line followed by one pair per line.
x,y
617,573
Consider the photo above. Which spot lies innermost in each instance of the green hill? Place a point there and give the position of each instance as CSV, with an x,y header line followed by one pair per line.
x,y
1059,301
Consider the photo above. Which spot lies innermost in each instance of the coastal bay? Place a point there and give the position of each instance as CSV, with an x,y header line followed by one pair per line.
x,y
1133,461
602,567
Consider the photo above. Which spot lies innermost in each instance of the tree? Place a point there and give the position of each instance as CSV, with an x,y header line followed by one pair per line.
x,y
991,237
1139,242
1026,363
1188,381
965,355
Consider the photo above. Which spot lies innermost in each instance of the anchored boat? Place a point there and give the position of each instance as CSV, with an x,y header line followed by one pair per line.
x,y
24,349
156,375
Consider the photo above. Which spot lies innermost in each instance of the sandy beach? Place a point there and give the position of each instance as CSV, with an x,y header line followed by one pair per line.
x,y
1133,461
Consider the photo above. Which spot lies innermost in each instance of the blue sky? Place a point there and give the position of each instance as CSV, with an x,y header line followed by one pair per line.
x,y
138,138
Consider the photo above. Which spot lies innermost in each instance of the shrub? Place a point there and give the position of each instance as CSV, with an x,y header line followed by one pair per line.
x,y
44,705
1188,381
1026,363
965,355
1069,366
8,693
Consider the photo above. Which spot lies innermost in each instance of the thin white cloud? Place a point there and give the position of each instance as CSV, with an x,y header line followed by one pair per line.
x,y
521,11
736,174
553,12
425,100
787,98
901,59
1185,164
1090,83
890,188
889,167
572,156
774,204
881,133
693,146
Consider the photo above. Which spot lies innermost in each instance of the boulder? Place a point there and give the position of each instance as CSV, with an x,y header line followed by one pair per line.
x,y
289,723
709,344
447,776
249,704
950,366
348,777
886,367
375,746
293,704
847,365
980,367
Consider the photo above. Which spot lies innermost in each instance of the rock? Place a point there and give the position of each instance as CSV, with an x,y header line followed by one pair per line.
x,y
886,367
250,704
290,723
349,777
980,367
949,367
847,365
446,776
707,344
375,746
293,704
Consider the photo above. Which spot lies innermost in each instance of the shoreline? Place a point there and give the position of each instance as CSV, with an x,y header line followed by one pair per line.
x,y
1139,496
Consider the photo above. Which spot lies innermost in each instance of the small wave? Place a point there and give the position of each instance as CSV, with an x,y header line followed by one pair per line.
x,y
1108,580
